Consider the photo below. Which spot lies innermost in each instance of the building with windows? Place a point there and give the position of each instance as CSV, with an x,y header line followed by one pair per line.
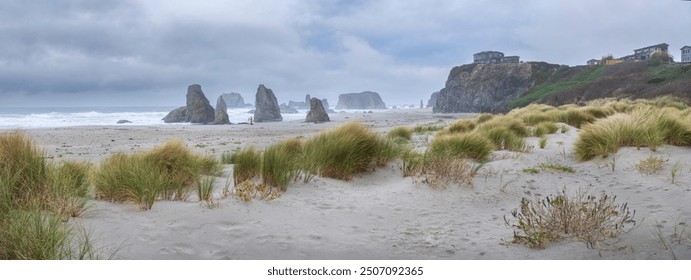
x,y
686,54
645,53
488,57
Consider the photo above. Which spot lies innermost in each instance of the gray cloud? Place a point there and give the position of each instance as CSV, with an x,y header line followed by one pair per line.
x,y
147,52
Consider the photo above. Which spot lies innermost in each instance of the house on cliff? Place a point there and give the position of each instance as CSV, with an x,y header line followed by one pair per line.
x,y
686,54
646,52
488,57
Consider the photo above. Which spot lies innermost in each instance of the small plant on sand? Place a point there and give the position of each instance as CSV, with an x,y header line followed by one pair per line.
x,y
584,217
247,191
543,142
554,167
205,188
439,172
674,170
430,127
400,133
650,165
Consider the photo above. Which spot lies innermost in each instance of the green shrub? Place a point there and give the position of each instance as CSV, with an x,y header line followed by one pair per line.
x,y
469,145
504,139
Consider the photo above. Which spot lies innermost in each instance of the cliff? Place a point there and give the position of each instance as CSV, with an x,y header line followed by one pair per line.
x,y
498,88
489,87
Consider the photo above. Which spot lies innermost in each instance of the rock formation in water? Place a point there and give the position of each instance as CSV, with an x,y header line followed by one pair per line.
x,y
234,100
198,109
317,114
432,100
221,112
285,109
363,100
266,106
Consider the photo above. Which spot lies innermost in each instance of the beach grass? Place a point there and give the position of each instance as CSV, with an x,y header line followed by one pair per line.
x,y
247,164
180,166
400,133
470,145
36,198
461,126
481,118
282,163
645,126
429,127
166,172
205,186
346,150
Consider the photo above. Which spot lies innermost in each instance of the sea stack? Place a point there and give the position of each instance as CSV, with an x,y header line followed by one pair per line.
x,y
317,113
363,100
221,112
200,111
266,106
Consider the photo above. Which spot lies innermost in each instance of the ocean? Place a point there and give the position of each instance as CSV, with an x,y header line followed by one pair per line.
x,y
47,117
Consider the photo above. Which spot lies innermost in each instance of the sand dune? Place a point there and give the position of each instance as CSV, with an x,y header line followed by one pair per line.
x,y
379,214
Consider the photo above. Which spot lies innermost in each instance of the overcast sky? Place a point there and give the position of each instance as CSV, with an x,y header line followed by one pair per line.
x,y
111,52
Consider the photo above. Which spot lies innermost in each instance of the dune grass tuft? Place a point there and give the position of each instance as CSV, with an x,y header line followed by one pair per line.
x,y
400,133
248,164
462,125
470,145
643,127
36,198
167,172
346,150
282,163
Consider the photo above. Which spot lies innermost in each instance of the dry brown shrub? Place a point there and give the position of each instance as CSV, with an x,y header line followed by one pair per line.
x,y
584,217
441,172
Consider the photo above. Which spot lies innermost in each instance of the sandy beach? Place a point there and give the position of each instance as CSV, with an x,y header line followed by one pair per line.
x,y
378,214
